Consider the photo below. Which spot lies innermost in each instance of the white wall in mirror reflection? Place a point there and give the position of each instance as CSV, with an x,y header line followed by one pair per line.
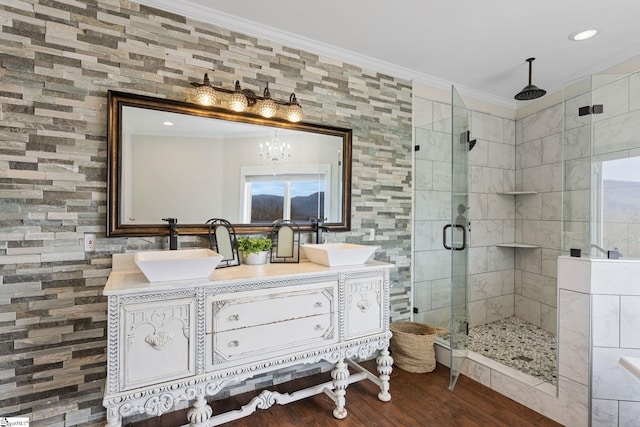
x,y
194,173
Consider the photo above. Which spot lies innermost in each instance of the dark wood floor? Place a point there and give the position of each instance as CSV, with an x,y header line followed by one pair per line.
x,y
416,400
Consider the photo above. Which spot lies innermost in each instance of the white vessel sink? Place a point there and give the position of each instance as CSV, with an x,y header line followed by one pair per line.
x,y
162,266
338,254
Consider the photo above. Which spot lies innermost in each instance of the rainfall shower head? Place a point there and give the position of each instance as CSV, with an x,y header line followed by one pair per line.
x,y
530,91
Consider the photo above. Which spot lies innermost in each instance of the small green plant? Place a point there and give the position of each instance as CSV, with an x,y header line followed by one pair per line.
x,y
253,245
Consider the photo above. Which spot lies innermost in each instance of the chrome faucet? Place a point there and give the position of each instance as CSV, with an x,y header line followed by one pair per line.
x,y
173,233
317,225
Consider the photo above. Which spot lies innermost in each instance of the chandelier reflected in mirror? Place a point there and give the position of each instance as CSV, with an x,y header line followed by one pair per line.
x,y
275,151
241,100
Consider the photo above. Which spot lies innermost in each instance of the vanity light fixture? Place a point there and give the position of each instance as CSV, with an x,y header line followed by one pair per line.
x,y
240,100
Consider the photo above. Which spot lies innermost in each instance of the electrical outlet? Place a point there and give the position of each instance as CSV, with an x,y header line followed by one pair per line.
x,y
89,242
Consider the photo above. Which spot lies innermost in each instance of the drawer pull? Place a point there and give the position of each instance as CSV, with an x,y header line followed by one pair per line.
x,y
318,305
234,343
235,317
318,328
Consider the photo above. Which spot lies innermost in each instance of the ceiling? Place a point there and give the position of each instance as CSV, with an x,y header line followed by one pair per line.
x,y
481,46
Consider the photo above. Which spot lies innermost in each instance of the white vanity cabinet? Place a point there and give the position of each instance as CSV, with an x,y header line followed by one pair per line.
x,y
187,340
364,309
155,330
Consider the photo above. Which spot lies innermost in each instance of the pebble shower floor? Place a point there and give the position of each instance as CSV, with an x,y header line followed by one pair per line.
x,y
519,345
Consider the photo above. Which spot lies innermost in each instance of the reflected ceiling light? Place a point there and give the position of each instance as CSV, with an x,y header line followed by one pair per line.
x,y
582,35
167,123
240,100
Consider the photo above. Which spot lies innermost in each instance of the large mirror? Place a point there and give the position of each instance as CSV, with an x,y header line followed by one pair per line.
x,y
171,159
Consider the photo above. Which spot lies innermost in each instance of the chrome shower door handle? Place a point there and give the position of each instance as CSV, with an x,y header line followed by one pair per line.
x,y
453,247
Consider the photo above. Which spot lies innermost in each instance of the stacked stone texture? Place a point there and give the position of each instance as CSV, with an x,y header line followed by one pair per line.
x,y
58,59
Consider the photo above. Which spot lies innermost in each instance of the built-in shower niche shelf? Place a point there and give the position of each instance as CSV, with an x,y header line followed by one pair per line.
x,y
516,193
517,245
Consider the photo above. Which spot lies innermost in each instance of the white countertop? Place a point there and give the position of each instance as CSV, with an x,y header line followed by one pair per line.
x,y
599,276
126,278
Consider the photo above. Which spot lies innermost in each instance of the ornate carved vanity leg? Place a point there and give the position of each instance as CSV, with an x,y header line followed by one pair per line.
x,y
199,413
340,375
113,418
385,363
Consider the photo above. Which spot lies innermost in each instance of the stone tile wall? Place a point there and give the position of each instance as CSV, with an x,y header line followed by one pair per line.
x,y
539,216
492,216
598,325
57,61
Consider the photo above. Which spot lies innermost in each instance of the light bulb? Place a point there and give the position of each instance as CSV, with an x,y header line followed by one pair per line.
x,y
205,95
267,108
294,113
238,102
294,110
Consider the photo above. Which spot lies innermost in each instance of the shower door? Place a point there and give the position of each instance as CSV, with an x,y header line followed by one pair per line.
x,y
456,234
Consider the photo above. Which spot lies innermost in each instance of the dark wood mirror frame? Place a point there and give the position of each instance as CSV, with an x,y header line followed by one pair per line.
x,y
117,100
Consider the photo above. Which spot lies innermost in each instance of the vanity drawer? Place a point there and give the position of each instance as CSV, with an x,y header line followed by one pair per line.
x,y
272,338
247,309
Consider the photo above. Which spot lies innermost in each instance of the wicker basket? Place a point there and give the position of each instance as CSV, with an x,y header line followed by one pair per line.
x,y
412,346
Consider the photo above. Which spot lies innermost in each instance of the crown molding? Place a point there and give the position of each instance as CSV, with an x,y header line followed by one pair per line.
x,y
205,14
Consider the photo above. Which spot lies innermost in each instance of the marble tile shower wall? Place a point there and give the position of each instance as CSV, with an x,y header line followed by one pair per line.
x,y
492,216
538,216
57,61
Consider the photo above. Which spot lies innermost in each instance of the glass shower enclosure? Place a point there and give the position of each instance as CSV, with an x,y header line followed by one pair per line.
x,y
441,226
601,160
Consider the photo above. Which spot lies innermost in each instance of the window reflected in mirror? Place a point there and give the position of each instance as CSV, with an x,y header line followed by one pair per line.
x,y
292,193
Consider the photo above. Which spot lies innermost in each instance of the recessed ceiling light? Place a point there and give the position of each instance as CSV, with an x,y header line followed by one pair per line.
x,y
582,35
167,123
